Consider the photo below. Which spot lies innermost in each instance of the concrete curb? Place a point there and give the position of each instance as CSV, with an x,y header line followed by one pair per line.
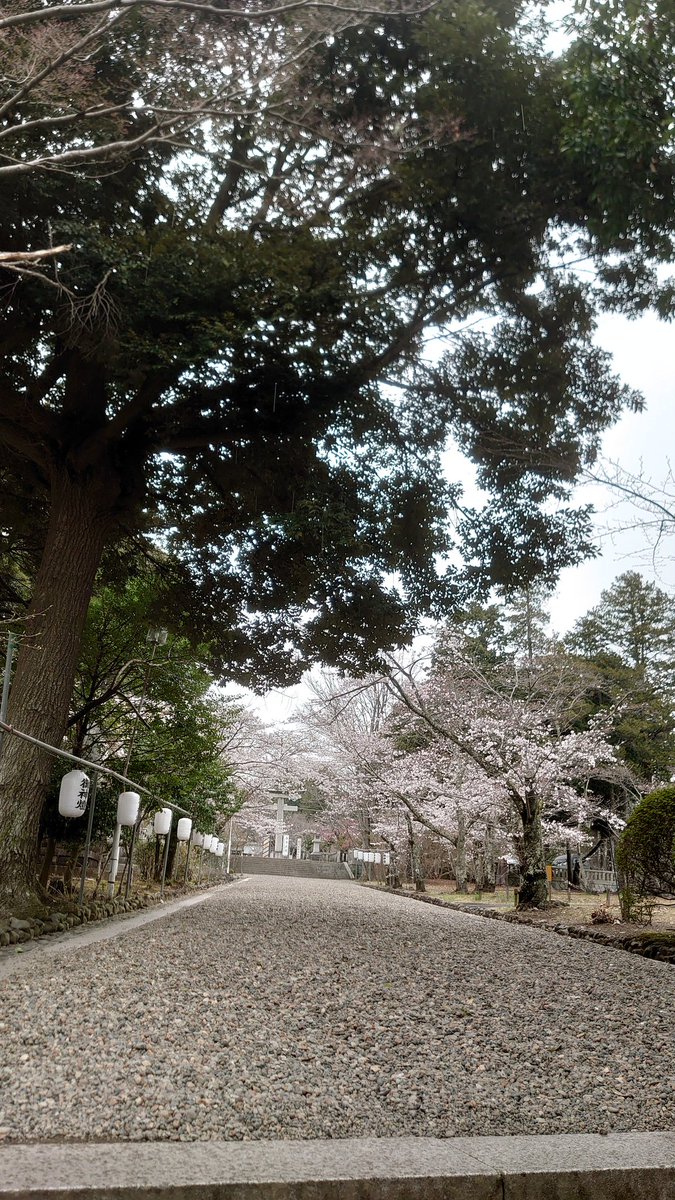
x,y
633,1166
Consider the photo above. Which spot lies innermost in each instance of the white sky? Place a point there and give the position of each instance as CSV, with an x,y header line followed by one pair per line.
x,y
643,351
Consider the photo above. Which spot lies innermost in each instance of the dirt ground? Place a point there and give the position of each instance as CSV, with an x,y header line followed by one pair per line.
x,y
576,911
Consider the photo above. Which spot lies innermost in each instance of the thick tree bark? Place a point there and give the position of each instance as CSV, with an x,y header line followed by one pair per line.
x,y
414,850
489,858
460,864
534,891
44,676
393,875
46,869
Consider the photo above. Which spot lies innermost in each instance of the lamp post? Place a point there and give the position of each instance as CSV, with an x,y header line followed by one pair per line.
x,y
229,847
128,804
183,834
163,820
208,843
158,638
198,842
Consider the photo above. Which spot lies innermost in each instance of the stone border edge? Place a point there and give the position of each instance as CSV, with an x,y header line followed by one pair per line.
x,y
619,1166
15,931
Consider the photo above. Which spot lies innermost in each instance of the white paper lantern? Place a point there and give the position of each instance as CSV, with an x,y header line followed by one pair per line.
x,y
73,794
220,849
208,841
184,829
197,838
128,804
162,822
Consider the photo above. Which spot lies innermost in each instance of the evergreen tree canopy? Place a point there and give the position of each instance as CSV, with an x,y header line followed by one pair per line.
x,y
635,620
230,356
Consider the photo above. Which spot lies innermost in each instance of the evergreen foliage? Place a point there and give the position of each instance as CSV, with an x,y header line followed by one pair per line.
x,y
646,849
635,620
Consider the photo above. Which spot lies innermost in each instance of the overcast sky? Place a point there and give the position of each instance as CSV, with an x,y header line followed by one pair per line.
x,y
644,355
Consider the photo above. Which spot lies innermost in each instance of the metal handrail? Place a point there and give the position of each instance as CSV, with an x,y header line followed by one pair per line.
x,y
85,762
97,769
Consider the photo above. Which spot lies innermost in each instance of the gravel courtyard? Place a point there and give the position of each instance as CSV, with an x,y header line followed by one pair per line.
x,y
287,1008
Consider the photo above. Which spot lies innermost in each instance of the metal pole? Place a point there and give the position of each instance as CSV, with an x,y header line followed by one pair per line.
x,y
9,658
229,847
187,859
130,864
114,861
93,766
166,859
87,843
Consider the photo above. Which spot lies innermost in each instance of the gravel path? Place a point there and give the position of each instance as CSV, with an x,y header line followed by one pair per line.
x,y
286,1008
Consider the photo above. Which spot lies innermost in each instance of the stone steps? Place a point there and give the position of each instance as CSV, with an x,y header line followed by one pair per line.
x,y
305,868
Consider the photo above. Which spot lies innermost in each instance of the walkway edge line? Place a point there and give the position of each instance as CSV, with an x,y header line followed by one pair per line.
x,y
619,1166
13,958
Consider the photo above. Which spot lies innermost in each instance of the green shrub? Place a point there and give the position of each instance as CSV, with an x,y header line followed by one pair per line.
x,y
646,849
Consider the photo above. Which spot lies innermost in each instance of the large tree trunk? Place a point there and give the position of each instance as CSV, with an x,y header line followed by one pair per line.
x,y
460,863
44,676
489,858
534,890
414,851
46,869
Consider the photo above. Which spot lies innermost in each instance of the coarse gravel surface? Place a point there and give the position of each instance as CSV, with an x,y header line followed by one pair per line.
x,y
297,1009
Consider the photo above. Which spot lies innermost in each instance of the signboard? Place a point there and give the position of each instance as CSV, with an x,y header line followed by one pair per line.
x,y
285,845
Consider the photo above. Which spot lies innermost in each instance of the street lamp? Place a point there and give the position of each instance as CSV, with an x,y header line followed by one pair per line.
x,y
229,847
128,804
158,638
183,833
162,825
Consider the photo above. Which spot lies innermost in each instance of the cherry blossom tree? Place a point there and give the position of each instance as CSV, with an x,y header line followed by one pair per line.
x,y
473,757
266,761
514,729
391,790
